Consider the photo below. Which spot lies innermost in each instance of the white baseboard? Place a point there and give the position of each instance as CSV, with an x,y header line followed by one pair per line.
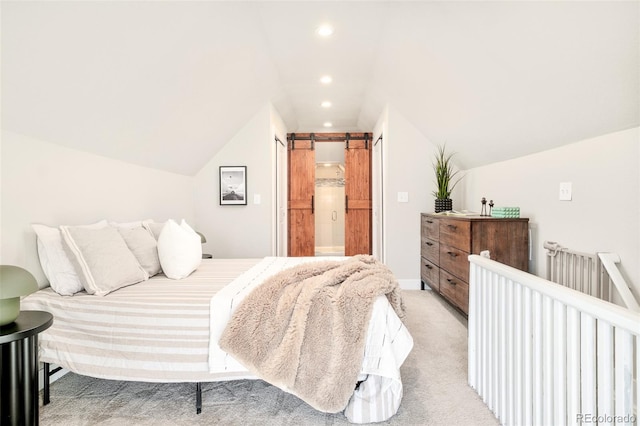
x,y
410,284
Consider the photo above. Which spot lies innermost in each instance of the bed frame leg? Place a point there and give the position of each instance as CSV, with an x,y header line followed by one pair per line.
x,y
45,392
46,380
198,398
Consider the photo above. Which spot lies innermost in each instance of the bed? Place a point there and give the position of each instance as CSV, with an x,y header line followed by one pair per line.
x,y
167,330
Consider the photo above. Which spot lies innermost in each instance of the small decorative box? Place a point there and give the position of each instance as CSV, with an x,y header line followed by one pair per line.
x,y
505,212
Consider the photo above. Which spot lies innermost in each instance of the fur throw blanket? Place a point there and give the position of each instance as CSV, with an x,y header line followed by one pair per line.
x,y
304,329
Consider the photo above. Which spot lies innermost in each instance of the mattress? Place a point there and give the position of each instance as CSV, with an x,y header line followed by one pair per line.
x,y
154,331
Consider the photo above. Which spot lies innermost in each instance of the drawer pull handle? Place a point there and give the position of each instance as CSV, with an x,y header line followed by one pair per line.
x,y
452,226
452,254
428,266
429,221
428,243
450,281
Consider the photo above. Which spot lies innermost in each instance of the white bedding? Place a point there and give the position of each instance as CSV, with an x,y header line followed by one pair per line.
x,y
164,330
154,331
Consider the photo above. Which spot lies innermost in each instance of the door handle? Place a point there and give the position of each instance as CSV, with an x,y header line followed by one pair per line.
x,y
312,205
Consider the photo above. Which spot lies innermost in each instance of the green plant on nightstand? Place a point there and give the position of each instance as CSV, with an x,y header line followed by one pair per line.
x,y
445,179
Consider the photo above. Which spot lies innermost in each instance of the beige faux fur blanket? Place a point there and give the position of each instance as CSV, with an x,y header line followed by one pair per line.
x,y
304,329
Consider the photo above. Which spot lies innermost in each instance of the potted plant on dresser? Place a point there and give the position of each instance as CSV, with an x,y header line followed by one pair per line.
x,y
445,179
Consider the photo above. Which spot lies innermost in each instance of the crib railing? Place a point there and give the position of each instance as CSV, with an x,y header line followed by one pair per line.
x,y
544,354
597,275
577,270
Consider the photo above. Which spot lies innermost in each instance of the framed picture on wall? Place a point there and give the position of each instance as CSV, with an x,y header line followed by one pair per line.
x,y
233,185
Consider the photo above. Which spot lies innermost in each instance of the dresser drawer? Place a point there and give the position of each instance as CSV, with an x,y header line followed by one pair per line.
x,y
430,274
430,227
456,290
455,261
430,250
456,233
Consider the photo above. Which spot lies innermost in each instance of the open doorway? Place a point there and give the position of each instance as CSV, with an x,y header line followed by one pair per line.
x,y
329,199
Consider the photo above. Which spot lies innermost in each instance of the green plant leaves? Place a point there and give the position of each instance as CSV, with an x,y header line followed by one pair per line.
x,y
445,173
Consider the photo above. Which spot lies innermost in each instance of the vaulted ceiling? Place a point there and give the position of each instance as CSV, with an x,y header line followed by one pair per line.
x,y
165,84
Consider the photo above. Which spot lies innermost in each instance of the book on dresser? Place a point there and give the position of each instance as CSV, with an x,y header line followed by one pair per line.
x,y
447,241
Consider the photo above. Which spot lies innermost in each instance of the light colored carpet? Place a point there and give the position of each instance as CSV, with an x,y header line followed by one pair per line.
x,y
434,377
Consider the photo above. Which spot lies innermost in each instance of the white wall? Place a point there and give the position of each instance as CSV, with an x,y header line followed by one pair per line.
x,y
239,231
407,168
46,183
604,212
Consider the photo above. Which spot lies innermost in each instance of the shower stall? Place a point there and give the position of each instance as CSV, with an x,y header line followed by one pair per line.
x,y
329,209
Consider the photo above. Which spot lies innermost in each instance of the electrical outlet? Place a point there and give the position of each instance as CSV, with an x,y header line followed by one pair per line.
x,y
565,191
403,197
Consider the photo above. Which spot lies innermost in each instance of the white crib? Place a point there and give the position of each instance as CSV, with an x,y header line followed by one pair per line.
x,y
544,354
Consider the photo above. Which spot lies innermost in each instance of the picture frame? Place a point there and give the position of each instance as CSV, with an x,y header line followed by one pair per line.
x,y
233,185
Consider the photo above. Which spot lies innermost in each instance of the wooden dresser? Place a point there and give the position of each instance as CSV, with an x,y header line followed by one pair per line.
x,y
447,242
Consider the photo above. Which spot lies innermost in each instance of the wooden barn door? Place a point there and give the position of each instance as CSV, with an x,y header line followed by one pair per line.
x,y
302,176
357,197
301,208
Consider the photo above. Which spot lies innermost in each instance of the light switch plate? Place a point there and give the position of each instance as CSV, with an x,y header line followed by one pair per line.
x,y
256,199
565,191
403,197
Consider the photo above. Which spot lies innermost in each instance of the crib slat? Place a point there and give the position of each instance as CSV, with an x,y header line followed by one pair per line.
x,y
573,365
623,376
587,364
484,332
547,361
492,343
510,356
527,331
474,271
559,360
519,356
537,358
605,370
502,353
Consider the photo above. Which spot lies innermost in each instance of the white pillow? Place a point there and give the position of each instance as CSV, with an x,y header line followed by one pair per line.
x,y
154,227
102,259
54,260
179,250
143,246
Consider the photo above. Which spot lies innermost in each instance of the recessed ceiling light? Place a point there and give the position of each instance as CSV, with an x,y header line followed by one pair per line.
x,y
325,30
328,124
325,104
326,79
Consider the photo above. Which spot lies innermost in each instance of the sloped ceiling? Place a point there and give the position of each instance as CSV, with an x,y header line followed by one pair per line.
x,y
166,84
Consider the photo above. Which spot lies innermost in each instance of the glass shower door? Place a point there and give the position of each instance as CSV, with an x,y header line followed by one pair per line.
x,y
329,210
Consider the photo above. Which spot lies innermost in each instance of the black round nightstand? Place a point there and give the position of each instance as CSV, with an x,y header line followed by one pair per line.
x,y
19,401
